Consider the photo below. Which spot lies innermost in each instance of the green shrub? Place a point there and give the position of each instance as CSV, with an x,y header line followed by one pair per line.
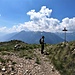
x,y
13,63
2,60
37,60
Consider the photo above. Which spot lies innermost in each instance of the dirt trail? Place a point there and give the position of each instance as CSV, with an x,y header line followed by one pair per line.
x,y
46,66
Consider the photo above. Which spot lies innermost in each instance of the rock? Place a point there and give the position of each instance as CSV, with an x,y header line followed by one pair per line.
x,y
12,73
62,45
10,66
3,69
25,72
53,69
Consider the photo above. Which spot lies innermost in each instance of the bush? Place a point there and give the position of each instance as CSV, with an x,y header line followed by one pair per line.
x,y
2,60
13,63
37,60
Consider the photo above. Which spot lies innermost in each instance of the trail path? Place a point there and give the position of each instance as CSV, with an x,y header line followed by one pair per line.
x,y
46,66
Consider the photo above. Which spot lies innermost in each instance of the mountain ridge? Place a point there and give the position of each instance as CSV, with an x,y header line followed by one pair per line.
x,y
33,37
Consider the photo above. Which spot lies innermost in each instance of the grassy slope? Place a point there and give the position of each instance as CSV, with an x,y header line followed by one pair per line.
x,y
63,57
26,50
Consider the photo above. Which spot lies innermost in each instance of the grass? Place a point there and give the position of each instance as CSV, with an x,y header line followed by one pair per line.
x,y
28,54
25,50
13,63
2,60
63,57
37,60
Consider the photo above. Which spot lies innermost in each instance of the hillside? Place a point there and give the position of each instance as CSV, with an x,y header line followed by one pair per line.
x,y
63,57
26,59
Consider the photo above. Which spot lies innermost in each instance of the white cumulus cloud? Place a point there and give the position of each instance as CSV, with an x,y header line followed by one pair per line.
x,y
43,13
42,21
69,23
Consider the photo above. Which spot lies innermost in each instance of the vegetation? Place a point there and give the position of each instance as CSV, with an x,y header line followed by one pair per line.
x,y
63,57
2,60
37,60
22,49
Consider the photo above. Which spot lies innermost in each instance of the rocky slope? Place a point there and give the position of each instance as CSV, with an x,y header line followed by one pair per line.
x,y
22,66
24,61
19,58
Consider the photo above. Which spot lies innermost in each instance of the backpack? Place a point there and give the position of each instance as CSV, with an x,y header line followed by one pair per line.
x,y
41,41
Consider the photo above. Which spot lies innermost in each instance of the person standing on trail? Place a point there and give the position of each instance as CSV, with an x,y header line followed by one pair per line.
x,y
42,44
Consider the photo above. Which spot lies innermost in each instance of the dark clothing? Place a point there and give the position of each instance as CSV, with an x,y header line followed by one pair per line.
x,y
42,48
42,45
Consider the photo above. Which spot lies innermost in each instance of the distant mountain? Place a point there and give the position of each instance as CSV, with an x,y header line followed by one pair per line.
x,y
5,37
69,36
33,37
2,35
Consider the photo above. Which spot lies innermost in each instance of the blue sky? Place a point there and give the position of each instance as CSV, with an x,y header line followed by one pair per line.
x,y
15,16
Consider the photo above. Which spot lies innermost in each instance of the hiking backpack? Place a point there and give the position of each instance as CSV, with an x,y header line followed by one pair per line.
x,y
41,41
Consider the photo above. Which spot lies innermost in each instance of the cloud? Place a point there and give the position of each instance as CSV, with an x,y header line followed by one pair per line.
x,y
42,21
69,23
43,13
2,29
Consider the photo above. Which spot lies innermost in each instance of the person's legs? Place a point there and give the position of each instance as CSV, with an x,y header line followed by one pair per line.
x,y
42,48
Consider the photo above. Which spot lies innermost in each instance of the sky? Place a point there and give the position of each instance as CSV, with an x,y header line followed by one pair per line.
x,y
37,15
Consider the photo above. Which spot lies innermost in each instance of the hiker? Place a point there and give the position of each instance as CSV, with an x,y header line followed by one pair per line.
x,y
42,44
